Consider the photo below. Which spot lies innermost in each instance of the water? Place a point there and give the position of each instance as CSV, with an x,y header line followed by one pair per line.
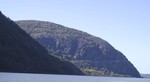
x,y
22,77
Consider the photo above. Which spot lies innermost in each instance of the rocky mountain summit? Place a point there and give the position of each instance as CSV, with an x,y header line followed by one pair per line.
x,y
93,55
21,53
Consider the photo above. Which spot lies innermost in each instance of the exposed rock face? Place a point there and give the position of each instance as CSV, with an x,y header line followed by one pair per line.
x,y
20,53
91,54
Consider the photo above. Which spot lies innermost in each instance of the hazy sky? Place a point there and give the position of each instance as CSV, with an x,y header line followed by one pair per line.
x,y
125,24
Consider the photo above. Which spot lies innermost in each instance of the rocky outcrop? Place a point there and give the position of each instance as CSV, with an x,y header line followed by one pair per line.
x,y
93,55
20,53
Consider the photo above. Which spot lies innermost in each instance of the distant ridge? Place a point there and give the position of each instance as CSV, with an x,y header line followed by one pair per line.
x,y
20,53
93,55
145,75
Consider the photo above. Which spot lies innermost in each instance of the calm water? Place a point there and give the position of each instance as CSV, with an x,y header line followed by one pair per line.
x,y
19,77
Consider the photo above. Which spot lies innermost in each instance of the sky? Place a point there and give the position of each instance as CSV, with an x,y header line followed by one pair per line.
x,y
125,24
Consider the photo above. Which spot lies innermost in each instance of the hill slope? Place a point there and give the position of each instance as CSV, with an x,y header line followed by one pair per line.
x,y
91,54
20,53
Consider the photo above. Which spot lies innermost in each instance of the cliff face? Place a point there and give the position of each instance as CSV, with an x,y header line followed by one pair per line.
x,y
20,53
93,55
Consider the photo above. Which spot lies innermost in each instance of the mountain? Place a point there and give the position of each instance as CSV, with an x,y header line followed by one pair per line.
x,y
21,53
93,55
146,76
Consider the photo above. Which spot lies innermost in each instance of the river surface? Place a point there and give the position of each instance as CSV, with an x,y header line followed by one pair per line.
x,y
25,77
